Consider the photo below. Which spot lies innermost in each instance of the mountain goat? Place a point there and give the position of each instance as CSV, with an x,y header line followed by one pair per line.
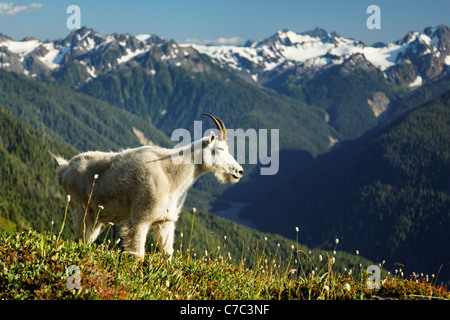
x,y
141,188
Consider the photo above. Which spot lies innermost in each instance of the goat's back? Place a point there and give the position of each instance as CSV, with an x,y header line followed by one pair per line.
x,y
77,176
121,175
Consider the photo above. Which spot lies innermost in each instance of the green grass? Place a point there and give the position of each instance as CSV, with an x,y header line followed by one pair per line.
x,y
35,266
7,225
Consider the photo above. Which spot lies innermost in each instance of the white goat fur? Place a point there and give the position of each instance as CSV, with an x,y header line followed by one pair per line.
x,y
140,188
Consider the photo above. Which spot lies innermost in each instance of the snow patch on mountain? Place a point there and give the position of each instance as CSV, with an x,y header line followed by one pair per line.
x,y
22,48
130,55
447,60
417,82
50,58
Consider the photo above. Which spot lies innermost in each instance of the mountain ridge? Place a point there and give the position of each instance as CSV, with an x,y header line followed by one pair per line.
x,y
428,51
143,73
317,49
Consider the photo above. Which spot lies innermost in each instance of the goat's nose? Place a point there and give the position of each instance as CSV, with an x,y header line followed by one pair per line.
x,y
241,172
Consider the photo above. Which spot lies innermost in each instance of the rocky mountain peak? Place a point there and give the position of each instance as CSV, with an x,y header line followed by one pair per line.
x,y
427,52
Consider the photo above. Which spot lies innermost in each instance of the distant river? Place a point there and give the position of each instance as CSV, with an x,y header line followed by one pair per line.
x,y
232,214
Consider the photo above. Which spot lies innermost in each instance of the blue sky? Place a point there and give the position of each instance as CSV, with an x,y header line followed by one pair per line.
x,y
209,20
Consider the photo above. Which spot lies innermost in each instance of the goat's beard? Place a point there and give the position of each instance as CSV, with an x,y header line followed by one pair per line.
x,y
226,177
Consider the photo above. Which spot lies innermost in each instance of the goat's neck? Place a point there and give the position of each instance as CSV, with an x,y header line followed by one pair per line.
x,y
186,172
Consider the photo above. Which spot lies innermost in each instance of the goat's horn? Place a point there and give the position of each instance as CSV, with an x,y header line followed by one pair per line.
x,y
220,126
224,129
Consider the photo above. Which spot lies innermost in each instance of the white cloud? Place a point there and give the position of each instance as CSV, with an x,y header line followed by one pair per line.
x,y
221,40
232,40
8,9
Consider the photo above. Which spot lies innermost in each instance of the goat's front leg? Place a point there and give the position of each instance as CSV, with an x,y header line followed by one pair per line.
x,y
134,236
165,233
87,228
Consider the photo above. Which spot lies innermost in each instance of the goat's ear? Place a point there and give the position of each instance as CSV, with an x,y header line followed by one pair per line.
x,y
212,136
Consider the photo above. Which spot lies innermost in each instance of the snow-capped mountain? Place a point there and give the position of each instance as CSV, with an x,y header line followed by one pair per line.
x,y
417,57
97,53
428,51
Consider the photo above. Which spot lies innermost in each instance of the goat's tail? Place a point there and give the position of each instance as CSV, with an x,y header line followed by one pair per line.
x,y
63,164
61,161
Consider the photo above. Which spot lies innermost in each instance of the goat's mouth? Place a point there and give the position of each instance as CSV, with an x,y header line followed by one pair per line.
x,y
235,177
229,175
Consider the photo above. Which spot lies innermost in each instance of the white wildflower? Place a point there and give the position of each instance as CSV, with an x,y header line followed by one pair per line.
x,y
68,198
327,288
96,176
347,287
296,229
337,241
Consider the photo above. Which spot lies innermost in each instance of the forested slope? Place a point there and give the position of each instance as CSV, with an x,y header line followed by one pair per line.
x,y
386,194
